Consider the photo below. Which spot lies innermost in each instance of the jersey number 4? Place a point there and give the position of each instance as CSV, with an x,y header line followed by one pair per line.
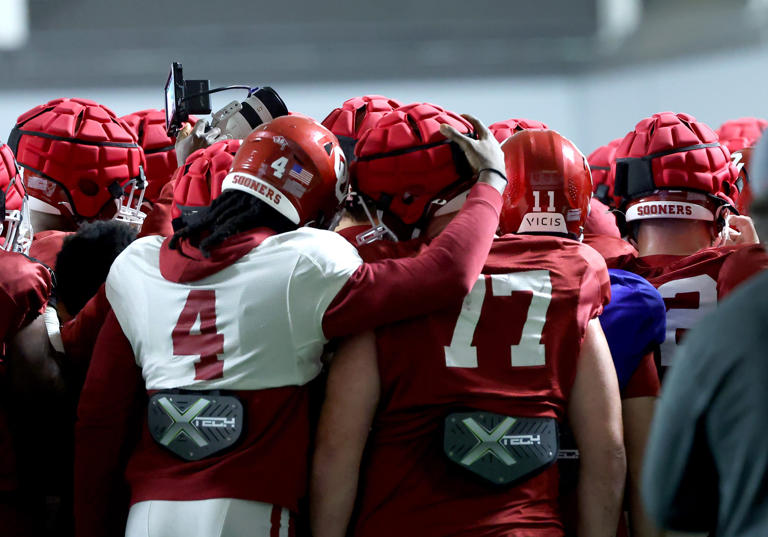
x,y
206,341
529,351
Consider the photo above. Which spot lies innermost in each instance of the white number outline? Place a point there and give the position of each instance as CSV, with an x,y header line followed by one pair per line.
x,y
530,351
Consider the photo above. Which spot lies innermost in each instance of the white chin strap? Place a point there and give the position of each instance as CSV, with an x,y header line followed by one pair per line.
x,y
53,327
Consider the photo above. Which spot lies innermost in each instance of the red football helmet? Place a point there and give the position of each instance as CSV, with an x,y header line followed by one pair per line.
x,y
198,182
549,185
294,165
355,116
600,161
740,133
504,129
78,156
672,166
12,205
159,149
407,167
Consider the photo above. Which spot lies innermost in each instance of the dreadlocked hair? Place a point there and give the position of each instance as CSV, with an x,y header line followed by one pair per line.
x,y
231,213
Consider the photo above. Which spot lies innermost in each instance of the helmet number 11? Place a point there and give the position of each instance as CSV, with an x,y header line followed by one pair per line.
x,y
529,351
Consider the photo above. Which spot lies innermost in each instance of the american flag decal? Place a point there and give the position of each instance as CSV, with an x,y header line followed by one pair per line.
x,y
302,175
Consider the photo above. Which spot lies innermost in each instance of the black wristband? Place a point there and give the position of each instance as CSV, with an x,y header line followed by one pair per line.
x,y
493,170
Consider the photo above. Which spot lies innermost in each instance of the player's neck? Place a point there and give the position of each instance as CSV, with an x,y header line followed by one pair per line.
x,y
664,237
45,221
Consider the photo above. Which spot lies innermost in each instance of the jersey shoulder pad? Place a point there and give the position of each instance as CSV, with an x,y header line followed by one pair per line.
x,y
327,250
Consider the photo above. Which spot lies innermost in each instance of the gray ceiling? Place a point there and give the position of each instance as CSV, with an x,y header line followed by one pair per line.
x,y
86,43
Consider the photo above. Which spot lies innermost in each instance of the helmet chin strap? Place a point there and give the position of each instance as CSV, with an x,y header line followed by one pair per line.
x,y
726,231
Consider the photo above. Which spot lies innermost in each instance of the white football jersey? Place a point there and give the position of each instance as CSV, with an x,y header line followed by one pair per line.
x,y
260,317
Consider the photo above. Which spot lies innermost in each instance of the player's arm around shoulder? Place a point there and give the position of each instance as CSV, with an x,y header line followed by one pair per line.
x,y
352,394
594,411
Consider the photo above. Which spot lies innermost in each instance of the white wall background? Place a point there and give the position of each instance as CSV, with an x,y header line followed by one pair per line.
x,y
590,109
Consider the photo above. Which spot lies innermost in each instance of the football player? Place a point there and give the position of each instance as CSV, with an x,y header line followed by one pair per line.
x,y
80,163
462,405
159,149
740,137
242,298
192,186
46,363
678,184
348,123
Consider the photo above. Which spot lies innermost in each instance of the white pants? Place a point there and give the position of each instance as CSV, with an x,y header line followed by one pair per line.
x,y
217,517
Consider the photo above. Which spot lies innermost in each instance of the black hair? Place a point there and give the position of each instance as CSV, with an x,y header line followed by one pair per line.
x,y
85,258
231,213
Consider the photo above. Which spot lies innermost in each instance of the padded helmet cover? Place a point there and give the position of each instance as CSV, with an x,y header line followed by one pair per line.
x,y
669,151
198,182
159,149
600,164
76,152
504,129
404,163
740,133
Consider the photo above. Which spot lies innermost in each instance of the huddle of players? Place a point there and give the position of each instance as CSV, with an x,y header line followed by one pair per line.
x,y
462,352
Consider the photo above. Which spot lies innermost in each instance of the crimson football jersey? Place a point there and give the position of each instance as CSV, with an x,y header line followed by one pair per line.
x,y
689,285
611,248
741,266
46,245
510,347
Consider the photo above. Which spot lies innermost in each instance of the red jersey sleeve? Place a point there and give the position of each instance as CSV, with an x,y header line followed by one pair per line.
x,y
595,284
107,412
79,334
644,382
158,221
394,289
24,291
46,245
740,266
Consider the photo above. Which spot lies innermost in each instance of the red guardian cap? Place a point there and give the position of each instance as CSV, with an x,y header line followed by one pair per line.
x,y
159,149
294,165
12,201
355,116
549,185
669,151
408,168
601,166
78,158
198,182
739,133
502,130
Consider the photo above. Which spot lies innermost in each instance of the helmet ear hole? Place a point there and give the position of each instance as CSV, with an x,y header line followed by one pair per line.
x,y
88,187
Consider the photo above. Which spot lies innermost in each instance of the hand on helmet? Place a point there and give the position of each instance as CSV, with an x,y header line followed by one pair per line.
x,y
482,154
190,139
738,230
